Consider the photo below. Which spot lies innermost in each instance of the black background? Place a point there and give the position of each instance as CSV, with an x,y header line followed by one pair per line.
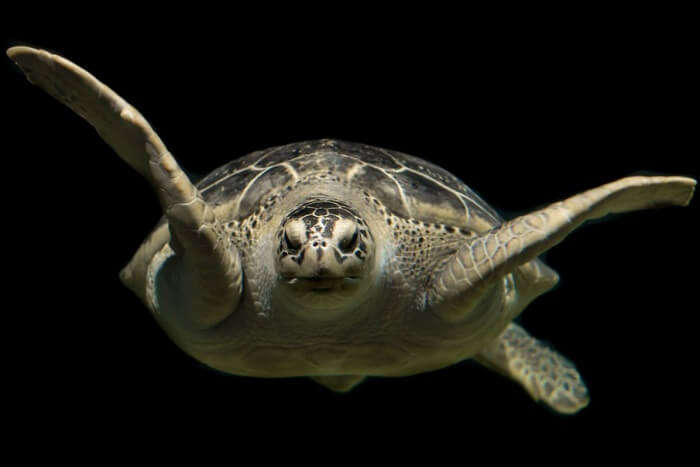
x,y
524,116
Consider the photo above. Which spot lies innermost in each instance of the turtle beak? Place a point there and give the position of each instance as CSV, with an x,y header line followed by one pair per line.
x,y
320,262
321,285
320,270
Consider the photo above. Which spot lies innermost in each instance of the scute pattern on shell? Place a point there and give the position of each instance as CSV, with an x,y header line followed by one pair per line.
x,y
408,186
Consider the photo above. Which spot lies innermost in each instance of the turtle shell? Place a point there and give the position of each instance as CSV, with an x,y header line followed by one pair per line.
x,y
410,187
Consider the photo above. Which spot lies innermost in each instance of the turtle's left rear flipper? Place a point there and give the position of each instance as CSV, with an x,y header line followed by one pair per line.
x,y
210,261
544,373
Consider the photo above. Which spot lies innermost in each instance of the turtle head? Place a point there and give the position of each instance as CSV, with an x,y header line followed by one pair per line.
x,y
324,246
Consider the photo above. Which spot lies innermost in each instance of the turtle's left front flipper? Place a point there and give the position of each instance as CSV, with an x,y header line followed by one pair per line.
x,y
484,260
210,263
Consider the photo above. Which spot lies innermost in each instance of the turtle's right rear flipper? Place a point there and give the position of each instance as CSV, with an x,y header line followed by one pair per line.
x,y
212,267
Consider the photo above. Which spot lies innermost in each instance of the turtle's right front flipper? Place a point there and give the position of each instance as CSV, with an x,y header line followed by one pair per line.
x,y
209,267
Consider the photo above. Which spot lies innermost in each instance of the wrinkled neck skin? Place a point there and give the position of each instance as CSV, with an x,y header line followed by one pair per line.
x,y
486,318
347,300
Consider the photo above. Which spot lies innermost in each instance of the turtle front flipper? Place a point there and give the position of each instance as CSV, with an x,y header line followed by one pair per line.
x,y
482,261
209,268
544,373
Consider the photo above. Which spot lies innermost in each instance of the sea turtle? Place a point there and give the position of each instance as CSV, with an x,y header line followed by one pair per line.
x,y
337,260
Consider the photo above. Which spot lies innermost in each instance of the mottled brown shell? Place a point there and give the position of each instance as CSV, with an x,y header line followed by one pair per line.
x,y
407,185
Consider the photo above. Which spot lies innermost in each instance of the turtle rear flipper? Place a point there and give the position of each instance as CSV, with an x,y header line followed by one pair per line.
x,y
544,373
208,268
339,383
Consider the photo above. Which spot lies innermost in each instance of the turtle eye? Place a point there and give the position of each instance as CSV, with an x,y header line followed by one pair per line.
x,y
348,244
291,245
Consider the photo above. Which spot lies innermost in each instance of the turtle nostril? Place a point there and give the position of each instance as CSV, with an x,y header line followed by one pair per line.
x,y
348,244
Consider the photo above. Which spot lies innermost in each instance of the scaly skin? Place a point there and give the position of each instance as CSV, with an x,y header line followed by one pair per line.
x,y
482,261
211,272
417,271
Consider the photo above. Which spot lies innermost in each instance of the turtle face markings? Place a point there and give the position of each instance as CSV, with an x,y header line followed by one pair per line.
x,y
321,244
